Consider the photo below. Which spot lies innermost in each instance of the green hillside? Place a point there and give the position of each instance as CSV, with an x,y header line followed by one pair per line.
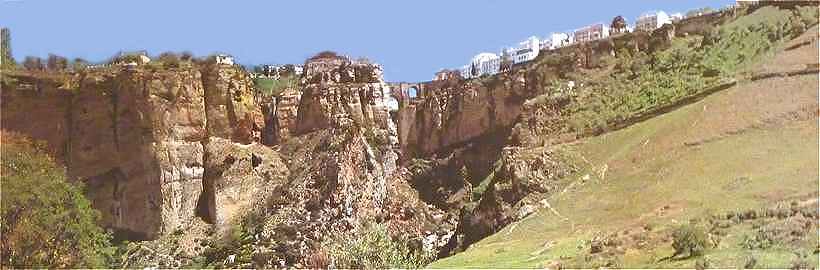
x,y
739,168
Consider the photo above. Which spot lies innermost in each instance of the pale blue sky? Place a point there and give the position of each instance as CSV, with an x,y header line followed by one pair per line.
x,y
411,39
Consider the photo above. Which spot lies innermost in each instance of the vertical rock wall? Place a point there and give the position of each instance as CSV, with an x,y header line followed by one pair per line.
x,y
141,140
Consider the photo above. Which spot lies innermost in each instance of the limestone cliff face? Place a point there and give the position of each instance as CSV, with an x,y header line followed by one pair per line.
x,y
459,112
280,115
231,107
138,139
343,167
335,90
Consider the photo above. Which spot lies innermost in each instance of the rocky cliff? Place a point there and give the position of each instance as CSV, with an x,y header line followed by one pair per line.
x,y
162,149
152,145
343,164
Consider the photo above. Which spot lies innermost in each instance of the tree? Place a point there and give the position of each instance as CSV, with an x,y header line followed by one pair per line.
x,y
169,60
79,64
47,222
33,63
473,70
186,56
56,63
374,248
618,25
6,59
689,240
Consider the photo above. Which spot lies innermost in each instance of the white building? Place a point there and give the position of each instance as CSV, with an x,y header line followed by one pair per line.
x,y
555,41
676,17
591,32
482,64
224,59
526,50
126,58
652,20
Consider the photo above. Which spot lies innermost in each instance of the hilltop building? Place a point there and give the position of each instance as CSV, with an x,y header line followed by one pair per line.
x,y
555,41
526,50
746,3
591,32
652,20
675,17
447,74
482,64
132,58
224,59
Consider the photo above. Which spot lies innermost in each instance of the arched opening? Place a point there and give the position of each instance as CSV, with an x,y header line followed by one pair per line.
x,y
412,92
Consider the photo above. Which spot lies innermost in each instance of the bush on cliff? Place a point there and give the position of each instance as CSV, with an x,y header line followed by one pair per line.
x,y
47,222
374,248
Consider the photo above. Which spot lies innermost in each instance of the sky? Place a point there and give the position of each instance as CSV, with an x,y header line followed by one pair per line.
x,y
410,39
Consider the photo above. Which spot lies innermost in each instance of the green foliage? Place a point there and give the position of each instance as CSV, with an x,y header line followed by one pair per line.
x,y
169,60
6,58
748,38
689,240
240,243
374,248
478,191
272,87
46,221
808,15
640,82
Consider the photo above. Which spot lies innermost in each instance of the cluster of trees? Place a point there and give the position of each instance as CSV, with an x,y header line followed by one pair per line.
x,y
59,63
53,63
6,59
47,221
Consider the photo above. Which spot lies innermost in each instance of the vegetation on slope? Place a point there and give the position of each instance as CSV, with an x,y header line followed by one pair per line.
x,y
633,83
47,222
728,181
270,87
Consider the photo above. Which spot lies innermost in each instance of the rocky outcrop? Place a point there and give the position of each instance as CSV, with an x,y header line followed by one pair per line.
x,y
336,89
231,109
460,112
280,115
239,177
343,169
137,137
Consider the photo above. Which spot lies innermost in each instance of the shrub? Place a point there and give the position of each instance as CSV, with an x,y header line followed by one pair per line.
x,y
79,64
169,60
374,248
689,240
46,221
33,63
56,63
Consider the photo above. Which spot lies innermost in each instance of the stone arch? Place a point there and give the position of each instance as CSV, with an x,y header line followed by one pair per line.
x,y
412,92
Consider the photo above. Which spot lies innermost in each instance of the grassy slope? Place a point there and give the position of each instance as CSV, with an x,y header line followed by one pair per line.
x,y
748,147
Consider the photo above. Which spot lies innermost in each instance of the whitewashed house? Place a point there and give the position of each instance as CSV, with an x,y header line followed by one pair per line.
x,y
526,50
224,59
652,20
555,41
482,64
676,16
591,32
